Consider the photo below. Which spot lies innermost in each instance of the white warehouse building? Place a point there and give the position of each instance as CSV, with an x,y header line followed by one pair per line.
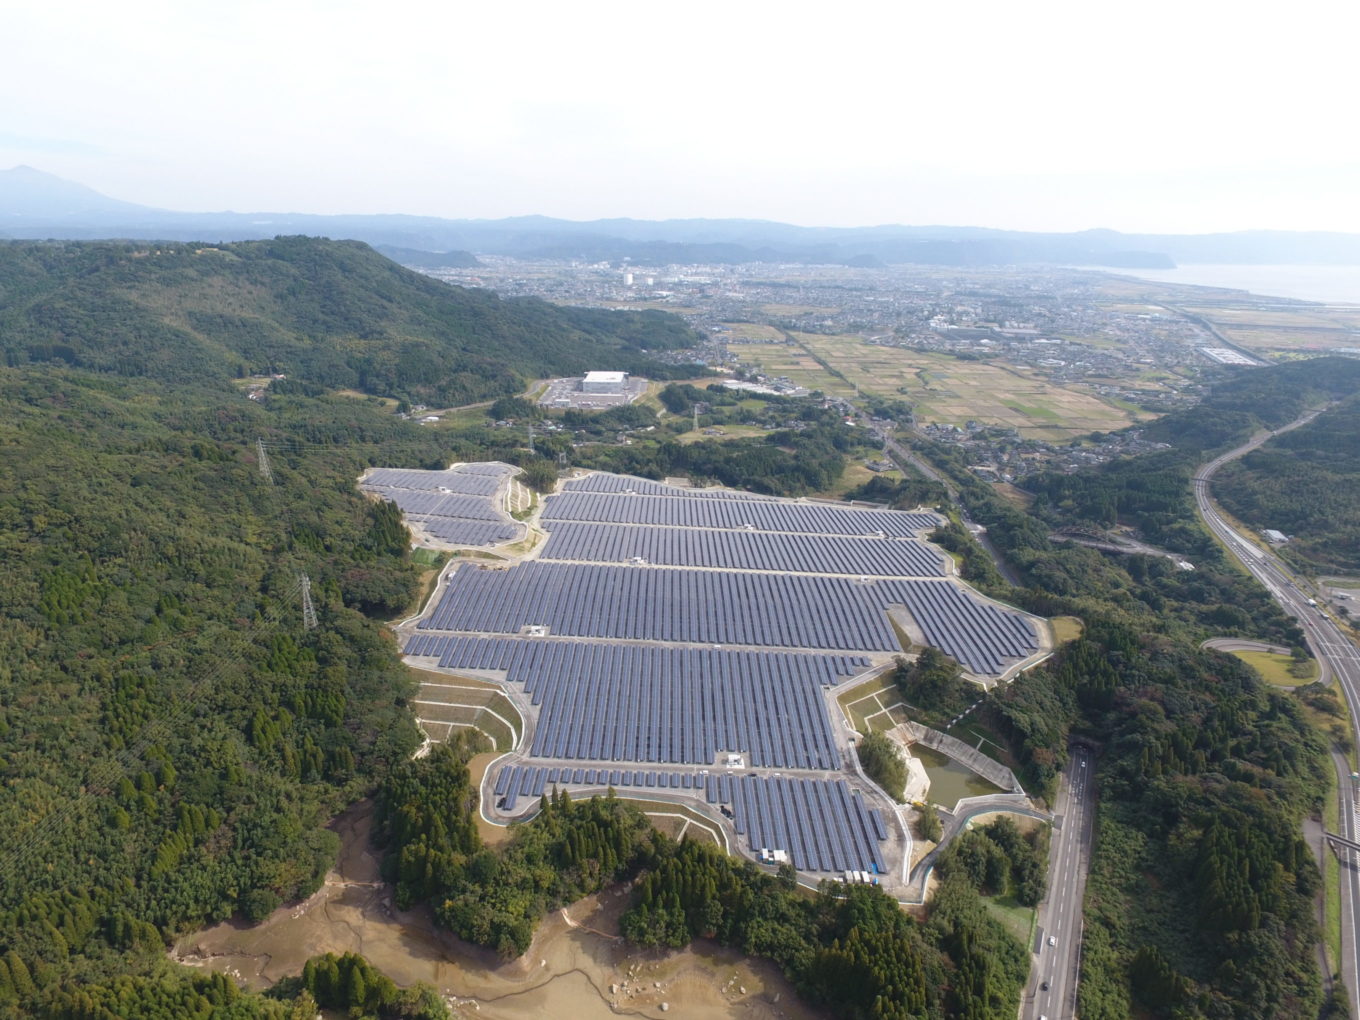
x,y
604,382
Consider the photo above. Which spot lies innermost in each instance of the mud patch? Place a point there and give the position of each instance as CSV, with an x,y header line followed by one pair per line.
x,y
577,966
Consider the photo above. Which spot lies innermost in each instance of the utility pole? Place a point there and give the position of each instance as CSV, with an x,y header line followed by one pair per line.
x,y
308,610
264,461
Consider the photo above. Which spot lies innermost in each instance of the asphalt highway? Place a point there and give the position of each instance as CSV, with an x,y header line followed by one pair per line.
x,y
1337,657
1069,857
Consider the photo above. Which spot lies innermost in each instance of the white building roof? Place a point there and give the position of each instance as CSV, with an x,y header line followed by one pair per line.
x,y
617,377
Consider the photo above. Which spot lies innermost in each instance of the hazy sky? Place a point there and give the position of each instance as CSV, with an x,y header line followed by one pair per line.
x,y
1172,116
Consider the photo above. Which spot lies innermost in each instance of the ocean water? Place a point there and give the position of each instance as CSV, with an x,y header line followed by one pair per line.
x,y
1330,284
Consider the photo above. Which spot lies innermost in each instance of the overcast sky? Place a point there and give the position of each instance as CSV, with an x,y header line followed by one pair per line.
x,y
1186,116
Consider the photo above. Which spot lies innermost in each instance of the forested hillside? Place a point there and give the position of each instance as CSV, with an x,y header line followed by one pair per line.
x,y
1152,492
331,313
1200,900
172,739
1305,483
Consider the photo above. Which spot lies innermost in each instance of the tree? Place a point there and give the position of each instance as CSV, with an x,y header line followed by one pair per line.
x,y
928,824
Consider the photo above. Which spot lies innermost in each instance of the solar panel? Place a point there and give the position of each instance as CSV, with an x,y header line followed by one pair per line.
x,y
820,823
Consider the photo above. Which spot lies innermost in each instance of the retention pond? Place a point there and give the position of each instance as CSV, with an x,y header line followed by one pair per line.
x,y
949,781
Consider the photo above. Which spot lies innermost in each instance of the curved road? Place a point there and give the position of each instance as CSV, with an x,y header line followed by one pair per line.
x,y
1337,656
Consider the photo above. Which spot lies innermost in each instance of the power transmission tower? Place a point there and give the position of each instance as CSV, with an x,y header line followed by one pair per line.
x,y
308,610
696,417
531,439
264,461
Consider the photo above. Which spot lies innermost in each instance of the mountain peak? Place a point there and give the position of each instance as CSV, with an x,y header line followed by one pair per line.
x,y
29,193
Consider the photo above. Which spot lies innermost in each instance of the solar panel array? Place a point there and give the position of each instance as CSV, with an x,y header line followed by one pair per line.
x,y
729,608
439,504
458,531
718,569
485,467
463,513
667,705
515,781
454,480
823,825
742,550
696,511
605,482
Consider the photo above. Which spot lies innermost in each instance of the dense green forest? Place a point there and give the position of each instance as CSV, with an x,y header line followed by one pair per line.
x,y
172,740
1305,483
330,313
1200,900
805,449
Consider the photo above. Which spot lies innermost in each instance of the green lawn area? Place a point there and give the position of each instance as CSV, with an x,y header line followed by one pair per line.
x,y
1274,669
428,557
1018,920
1066,628
871,698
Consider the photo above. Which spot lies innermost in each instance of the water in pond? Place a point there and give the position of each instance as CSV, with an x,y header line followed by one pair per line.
x,y
950,781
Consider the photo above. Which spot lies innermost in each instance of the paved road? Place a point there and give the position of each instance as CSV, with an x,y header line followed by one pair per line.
x,y
954,821
1069,859
1337,657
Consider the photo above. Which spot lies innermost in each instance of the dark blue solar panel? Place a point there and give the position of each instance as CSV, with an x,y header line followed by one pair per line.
x,y
743,550
714,607
601,703
819,823
690,511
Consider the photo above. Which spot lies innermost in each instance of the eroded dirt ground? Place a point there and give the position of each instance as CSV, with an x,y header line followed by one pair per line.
x,y
577,966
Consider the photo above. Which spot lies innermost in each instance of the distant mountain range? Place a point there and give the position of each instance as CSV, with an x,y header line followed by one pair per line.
x,y
34,204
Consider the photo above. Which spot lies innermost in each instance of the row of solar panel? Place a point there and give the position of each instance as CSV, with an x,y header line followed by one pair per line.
x,y
666,705
517,781
440,504
759,515
432,481
458,531
605,482
742,550
525,659
615,717
728,607
981,635
661,604
823,825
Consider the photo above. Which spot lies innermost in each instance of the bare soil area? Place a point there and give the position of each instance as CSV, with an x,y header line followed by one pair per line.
x,y
577,967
